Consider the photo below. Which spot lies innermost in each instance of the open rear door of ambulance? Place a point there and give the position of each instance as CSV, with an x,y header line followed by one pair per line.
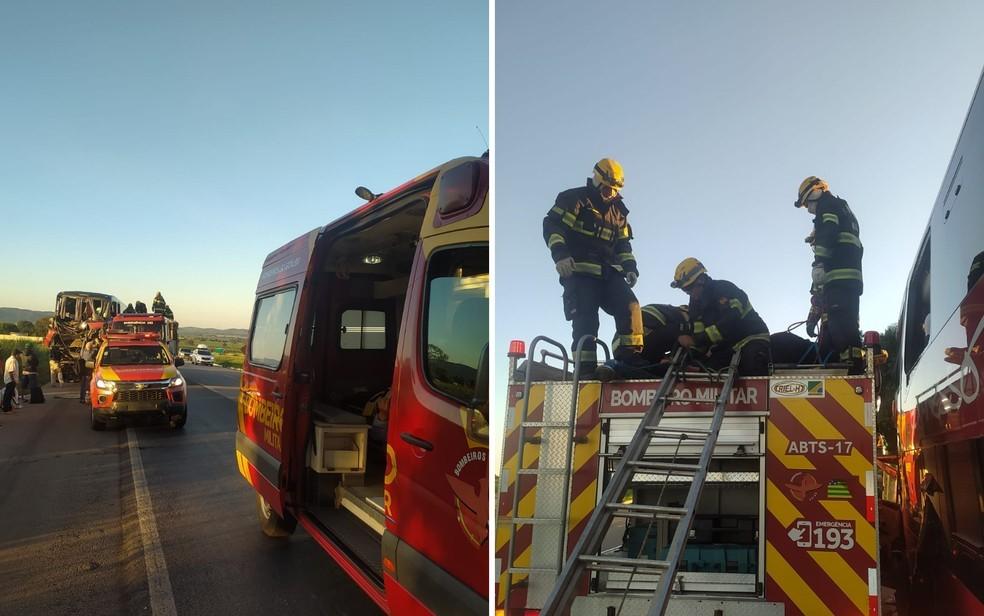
x,y
435,549
266,396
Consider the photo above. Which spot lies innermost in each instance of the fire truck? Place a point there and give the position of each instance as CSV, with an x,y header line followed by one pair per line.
x,y
78,315
363,406
165,329
939,410
699,493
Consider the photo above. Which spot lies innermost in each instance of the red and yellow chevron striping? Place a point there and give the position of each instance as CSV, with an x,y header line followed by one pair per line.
x,y
822,545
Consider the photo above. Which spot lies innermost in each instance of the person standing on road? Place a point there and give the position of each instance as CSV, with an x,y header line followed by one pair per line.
x,y
837,252
57,378
85,372
24,381
10,369
588,234
33,388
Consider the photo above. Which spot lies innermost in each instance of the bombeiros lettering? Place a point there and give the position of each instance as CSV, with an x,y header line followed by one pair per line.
x,y
268,414
698,395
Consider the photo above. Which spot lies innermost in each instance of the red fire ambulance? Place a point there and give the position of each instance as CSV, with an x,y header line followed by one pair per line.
x,y
940,412
363,401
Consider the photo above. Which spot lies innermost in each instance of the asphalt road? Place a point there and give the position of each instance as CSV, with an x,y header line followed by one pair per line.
x,y
147,520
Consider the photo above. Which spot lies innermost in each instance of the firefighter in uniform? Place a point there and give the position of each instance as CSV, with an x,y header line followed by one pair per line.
x,y
722,321
836,277
589,236
662,325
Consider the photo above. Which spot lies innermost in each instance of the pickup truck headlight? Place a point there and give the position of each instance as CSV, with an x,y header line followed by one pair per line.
x,y
107,385
176,382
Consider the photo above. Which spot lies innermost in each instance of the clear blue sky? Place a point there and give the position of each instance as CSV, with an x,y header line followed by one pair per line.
x,y
718,110
171,146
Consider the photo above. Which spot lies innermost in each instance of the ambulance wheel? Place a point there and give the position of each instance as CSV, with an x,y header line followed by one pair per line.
x,y
95,423
271,523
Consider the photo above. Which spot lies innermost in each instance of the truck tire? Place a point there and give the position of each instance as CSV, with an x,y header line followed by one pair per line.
x,y
177,425
271,523
95,423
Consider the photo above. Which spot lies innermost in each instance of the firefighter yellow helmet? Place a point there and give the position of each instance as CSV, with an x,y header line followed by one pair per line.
x,y
687,273
608,172
808,186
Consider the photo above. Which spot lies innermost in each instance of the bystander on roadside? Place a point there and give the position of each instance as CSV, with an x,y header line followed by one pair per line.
x,y
32,387
87,355
57,378
10,369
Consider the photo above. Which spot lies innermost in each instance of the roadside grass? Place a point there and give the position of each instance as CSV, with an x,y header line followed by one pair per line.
x,y
228,360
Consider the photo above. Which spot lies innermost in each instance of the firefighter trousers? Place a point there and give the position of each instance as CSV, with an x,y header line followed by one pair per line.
x,y
754,361
583,296
841,337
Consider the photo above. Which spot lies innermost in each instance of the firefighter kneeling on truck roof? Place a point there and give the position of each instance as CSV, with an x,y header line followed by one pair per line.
x,y
662,325
589,236
722,321
837,282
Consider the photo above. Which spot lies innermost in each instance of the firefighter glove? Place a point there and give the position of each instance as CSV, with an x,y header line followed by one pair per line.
x,y
813,318
631,278
817,275
565,267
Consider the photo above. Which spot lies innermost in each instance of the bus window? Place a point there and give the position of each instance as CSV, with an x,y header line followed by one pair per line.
x,y
69,305
917,311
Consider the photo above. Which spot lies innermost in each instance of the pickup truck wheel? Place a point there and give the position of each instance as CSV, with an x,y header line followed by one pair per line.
x,y
95,423
179,423
271,523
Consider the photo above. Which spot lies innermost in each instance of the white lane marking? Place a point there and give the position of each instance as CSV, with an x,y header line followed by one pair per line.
x,y
158,582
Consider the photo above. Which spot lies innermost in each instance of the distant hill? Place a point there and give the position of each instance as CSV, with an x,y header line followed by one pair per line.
x,y
13,315
212,332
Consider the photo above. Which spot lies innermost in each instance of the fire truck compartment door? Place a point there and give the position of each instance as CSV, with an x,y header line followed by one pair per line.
x,y
736,431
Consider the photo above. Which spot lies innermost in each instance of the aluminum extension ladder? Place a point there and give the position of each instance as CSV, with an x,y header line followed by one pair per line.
x,y
557,433
585,555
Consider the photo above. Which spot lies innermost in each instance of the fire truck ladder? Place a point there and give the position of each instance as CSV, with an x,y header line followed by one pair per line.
x,y
586,553
556,435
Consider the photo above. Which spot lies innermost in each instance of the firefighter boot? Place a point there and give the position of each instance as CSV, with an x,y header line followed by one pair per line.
x,y
607,372
628,323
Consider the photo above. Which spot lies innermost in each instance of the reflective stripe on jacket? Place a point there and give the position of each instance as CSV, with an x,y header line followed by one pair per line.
x,y
594,233
837,242
723,317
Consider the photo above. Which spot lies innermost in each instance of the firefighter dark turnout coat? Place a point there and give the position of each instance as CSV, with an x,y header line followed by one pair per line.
x,y
722,319
594,233
837,243
837,247
597,236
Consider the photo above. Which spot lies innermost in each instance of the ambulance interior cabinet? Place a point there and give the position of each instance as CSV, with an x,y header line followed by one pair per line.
x,y
339,444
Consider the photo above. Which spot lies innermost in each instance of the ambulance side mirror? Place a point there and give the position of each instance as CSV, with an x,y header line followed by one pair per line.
x,y
480,399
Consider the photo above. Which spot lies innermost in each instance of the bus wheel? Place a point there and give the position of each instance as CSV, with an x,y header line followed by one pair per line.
x,y
271,523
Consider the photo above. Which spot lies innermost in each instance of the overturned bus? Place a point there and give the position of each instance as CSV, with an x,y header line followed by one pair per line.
x,y
78,314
